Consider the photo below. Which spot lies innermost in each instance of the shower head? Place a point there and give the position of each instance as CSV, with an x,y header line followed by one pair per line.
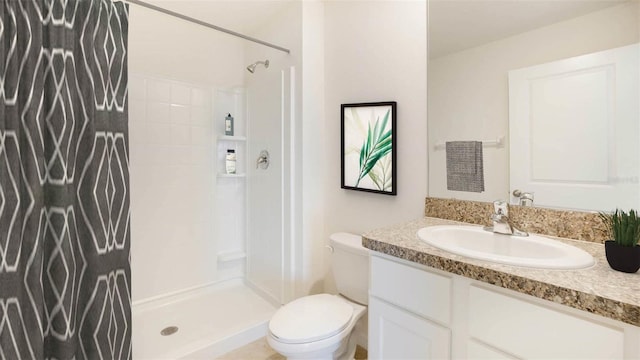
x,y
251,68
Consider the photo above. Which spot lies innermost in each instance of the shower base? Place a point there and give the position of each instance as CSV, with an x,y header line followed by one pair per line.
x,y
210,321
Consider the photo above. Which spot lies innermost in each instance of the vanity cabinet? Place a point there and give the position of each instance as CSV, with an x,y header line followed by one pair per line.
x,y
409,312
416,312
395,333
528,330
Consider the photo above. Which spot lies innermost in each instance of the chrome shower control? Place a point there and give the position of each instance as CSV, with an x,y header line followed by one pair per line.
x,y
263,160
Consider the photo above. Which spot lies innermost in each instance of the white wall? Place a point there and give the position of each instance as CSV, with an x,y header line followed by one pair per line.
x,y
310,266
468,90
162,45
172,183
376,51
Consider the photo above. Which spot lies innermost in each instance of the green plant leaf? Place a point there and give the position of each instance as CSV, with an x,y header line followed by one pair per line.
x,y
365,147
623,227
377,145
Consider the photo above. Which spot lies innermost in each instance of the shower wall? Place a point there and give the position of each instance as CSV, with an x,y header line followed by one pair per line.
x,y
191,226
171,158
273,99
266,211
230,218
175,68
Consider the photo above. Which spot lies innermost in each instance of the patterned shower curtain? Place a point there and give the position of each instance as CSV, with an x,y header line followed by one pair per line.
x,y
65,285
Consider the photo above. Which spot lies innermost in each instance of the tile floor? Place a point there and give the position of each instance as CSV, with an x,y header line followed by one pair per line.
x,y
260,350
257,350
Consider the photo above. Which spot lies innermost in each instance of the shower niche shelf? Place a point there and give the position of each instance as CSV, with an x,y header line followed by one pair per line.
x,y
237,143
227,256
225,175
231,189
231,138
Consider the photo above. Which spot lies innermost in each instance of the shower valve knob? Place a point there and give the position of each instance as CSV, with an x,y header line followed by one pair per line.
x,y
263,160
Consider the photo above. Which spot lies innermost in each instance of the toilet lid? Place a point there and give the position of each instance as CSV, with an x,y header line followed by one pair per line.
x,y
311,318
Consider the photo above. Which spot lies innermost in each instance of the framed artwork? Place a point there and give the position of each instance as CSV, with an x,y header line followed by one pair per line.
x,y
368,147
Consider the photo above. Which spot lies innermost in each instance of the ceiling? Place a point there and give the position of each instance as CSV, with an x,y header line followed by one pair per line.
x,y
455,25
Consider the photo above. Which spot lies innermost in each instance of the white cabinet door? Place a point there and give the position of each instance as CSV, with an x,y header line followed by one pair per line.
x,y
573,129
531,331
397,334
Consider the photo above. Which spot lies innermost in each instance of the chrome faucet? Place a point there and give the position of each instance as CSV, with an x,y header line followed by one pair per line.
x,y
501,222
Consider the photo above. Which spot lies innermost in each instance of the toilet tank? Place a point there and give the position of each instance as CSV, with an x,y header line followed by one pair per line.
x,y
350,266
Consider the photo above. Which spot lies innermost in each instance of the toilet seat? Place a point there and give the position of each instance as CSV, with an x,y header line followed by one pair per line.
x,y
311,318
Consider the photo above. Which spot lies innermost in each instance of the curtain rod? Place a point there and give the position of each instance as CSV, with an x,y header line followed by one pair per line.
x,y
200,22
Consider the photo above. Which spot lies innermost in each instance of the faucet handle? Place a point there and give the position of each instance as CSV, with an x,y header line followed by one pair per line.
x,y
500,207
524,198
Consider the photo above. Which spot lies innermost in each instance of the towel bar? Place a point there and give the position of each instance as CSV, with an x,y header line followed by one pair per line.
x,y
498,143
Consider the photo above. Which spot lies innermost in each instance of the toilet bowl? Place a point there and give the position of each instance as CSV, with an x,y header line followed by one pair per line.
x,y
321,326
315,327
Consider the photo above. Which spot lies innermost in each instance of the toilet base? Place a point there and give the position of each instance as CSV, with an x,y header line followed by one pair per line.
x,y
350,354
345,350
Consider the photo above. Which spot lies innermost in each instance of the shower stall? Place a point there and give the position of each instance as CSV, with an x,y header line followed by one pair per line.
x,y
211,251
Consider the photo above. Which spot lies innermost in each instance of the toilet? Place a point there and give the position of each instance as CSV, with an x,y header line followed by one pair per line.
x,y
321,326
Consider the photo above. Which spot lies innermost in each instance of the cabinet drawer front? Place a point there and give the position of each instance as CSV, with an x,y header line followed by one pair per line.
x,y
397,334
529,330
416,290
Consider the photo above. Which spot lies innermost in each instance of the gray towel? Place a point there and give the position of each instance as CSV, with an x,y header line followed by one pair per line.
x,y
465,170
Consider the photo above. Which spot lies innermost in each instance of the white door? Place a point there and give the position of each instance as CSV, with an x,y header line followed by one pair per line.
x,y
398,334
574,131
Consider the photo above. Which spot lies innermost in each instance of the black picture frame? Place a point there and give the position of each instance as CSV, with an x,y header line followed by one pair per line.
x,y
368,140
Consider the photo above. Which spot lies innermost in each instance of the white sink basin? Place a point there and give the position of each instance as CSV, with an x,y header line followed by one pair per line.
x,y
529,251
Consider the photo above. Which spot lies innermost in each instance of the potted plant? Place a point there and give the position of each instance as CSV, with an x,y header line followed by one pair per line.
x,y
623,252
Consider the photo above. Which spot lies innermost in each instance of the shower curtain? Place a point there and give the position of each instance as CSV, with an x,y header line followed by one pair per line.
x,y
64,180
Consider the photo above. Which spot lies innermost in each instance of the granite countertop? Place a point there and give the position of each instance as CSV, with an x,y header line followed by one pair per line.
x,y
597,289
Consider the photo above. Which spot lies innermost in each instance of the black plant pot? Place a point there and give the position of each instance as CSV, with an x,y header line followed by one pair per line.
x,y
622,258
